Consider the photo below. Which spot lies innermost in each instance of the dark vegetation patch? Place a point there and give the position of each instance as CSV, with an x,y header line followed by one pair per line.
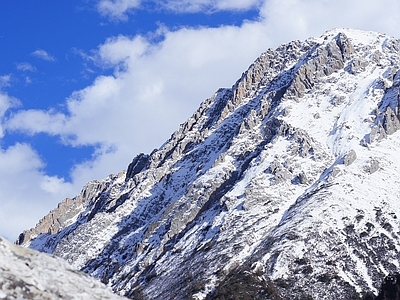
x,y
245,285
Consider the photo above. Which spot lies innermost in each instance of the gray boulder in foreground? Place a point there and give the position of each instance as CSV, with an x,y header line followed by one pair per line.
x,y
29,274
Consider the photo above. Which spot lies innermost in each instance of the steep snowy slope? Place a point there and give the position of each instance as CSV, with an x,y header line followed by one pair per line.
x,y
28,274
288,179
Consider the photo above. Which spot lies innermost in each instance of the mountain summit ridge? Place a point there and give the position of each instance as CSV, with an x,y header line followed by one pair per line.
x,y
288,179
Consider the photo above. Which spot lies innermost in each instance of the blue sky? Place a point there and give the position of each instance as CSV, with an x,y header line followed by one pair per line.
x,y
85,85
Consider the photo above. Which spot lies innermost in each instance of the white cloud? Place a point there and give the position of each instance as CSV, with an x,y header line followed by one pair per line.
x,y
24,66
25,192
6,102
35,121
117,9
5,81
192,6
42,54
299,19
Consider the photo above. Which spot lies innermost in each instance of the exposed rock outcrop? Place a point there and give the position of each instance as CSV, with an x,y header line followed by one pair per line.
x,y
138,164
350,157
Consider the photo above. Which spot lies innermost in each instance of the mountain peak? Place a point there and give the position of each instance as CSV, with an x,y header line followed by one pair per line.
x,y
357,36
288,179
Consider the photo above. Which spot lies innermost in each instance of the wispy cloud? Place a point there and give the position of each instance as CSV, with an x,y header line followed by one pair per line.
x,y
194,6
42,54
82,54
117,9
5,81
24,66
6,102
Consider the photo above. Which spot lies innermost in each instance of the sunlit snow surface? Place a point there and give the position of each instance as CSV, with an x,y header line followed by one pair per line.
x,y
295,185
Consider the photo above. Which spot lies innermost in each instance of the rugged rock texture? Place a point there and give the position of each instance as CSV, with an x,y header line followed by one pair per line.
x,y
285,186
28,274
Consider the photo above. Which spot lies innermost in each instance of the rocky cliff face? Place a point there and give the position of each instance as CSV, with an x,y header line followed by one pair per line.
x,y
28,274
284,186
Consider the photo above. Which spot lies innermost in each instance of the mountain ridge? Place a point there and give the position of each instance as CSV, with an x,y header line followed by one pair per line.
x,y
301,141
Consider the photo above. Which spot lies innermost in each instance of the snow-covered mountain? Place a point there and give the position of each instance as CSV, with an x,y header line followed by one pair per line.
x,y
28,274
285,186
